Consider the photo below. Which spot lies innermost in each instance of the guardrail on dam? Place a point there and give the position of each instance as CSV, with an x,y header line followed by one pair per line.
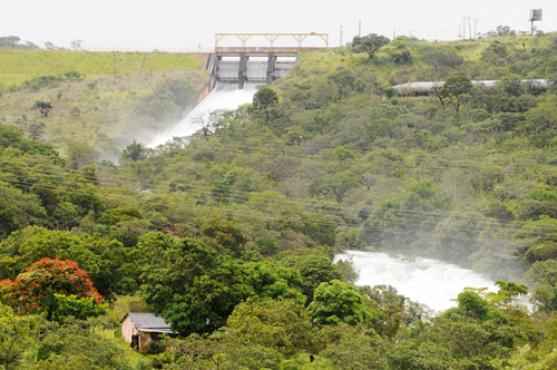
x,y
246,63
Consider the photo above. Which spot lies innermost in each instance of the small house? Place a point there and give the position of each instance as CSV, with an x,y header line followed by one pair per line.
x,y
142,329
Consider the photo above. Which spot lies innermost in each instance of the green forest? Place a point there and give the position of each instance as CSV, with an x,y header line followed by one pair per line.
x,y
231,236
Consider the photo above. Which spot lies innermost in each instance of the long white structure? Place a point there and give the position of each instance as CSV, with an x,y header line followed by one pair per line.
x,y
429,87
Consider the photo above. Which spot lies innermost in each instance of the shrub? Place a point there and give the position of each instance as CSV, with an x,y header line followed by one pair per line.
x,y
442,58
35,289
542,251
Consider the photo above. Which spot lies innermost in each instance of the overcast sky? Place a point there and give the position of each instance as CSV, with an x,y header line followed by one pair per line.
x,y
187,24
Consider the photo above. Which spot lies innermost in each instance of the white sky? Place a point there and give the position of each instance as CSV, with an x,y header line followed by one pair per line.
x,y
187,24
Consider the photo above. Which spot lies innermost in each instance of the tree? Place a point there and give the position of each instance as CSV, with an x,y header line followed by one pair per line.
x,y
354,348
18,209
17,336
135,152
224,235
283,325
337,302
369,44
544,276
402,56
338,185
541,123
496,53
265,98
508,291
441,58
503,30
35,289
193,287
473,305
11,137
454,89
420,354
346,82
104,259
196,288
80,346
81,154
314,270
44,107
265,104
73,306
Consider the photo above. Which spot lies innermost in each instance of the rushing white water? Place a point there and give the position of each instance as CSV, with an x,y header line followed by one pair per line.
x,y
225,97
433,283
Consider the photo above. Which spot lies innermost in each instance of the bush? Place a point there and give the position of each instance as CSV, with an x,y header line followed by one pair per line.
x,y
442,58
542,251
73,75
402,57
79,308
496,53
264,99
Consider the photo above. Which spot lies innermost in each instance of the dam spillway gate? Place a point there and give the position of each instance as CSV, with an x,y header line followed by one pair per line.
x,y
236,59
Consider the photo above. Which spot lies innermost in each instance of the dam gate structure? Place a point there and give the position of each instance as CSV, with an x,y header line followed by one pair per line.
x,y
241,58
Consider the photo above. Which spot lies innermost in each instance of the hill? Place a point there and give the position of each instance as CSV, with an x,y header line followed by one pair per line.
x,y
101,101
231,236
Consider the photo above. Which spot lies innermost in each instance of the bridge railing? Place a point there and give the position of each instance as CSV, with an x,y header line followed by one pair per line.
x,y
271,38
263,51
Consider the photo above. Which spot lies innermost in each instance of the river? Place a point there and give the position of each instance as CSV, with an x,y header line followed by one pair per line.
x,y
433,283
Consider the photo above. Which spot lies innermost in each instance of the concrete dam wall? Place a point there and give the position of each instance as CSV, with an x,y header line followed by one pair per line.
x,y
243,69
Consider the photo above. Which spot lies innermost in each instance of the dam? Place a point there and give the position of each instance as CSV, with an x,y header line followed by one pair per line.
x,y
258,58
239,64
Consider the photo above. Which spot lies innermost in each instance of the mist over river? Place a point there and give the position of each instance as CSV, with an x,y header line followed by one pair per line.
x,y
225,97
433,283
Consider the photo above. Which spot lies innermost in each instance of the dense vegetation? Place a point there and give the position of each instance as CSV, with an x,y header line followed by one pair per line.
x,y
230,236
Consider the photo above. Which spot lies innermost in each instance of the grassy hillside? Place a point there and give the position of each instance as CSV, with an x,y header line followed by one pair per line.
x,y
19,66
230,237
478,59
101,101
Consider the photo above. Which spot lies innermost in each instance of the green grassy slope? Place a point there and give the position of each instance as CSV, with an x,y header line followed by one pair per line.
x,y
109,100
19,65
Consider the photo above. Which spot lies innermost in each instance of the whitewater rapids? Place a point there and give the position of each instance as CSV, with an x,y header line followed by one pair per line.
x,y
433,283
225,97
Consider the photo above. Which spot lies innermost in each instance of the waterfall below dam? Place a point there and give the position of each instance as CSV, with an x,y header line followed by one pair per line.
x,y
225,97
430,282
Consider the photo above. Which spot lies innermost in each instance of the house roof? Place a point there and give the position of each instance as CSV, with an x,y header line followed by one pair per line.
x,y
149,322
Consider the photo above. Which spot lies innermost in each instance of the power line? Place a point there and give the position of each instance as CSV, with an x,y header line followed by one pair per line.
x,y
242,197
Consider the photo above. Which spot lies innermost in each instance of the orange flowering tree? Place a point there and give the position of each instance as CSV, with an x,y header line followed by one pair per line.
x,y
36,288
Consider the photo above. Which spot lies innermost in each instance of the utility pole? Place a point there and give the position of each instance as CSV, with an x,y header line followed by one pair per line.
x,y
360,28
470,27
341,36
